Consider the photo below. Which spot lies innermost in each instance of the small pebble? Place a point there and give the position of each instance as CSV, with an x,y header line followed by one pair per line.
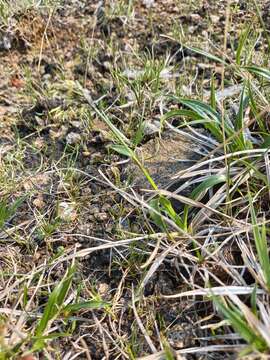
x,y
73,138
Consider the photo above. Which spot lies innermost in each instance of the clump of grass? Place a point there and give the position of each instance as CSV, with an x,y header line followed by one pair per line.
x,y
57,308
239,162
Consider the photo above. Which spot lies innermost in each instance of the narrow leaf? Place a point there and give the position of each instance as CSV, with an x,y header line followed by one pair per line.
x,y
123,150
92,304
256,70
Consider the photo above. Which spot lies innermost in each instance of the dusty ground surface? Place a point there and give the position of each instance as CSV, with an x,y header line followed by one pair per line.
x,y
54,150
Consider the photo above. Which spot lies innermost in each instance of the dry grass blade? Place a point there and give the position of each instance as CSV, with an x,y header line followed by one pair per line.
x,y
140,324
204,349
251,153
217,291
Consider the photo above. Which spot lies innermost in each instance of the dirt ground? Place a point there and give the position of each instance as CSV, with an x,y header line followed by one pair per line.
x,y
56,155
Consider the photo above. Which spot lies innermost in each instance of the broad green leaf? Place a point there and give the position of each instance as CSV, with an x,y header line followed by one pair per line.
x,y
123,150
208,184
157,219
40,341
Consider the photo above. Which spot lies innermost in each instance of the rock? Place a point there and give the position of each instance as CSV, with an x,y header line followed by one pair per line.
x,y
192,29
101,216
76,124
73,138
106,207
27,357
37,181
229,91
39,202
196,18
66,211
151,128
181,335
133,73
243,5
148,3
5,43
103,289
215,19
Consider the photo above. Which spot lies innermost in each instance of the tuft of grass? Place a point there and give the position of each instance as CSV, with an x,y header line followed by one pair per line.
x,y
242,143
57,308
8,210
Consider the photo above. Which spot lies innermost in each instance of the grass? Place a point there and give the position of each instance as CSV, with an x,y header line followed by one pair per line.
x,y
89,263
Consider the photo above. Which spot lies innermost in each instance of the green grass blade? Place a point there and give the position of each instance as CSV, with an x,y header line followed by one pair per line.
x,y
157,219
259,71
55,301
91,304
123,150
261,244
255,109
240,325
65,285
207,184
206,54
7,211
182,113
139,134
244,101
239,121
213,100
241,45
169,210
265,30
120,137
206,112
